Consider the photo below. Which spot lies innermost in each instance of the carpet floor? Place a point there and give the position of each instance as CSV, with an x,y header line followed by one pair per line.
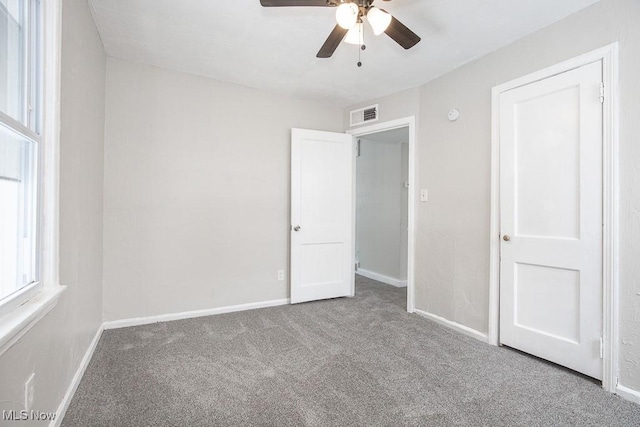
x,y
359,361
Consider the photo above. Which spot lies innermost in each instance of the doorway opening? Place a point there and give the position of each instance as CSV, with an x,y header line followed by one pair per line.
x,y
384,205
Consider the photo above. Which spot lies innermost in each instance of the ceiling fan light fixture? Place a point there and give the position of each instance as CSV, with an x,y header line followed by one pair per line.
x,y
347,15
355,35
379,20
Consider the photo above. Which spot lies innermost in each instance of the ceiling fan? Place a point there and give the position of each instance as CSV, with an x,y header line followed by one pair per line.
x,y
350,15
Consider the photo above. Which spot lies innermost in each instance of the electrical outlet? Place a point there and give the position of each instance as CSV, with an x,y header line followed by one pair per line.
x,y
424,195
29,387
280,275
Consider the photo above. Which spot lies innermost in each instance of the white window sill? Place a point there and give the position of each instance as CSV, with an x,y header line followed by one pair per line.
x,y
15,324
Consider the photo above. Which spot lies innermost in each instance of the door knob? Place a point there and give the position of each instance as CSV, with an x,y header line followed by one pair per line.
x,y
506,238
296,228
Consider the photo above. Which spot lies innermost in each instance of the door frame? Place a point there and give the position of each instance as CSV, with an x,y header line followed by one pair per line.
x,y
610,268
409,122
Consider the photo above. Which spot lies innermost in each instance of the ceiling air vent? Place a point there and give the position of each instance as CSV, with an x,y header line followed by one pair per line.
x,y
364,115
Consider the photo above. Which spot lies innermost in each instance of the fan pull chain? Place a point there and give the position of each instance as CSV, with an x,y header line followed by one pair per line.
x,y
362,46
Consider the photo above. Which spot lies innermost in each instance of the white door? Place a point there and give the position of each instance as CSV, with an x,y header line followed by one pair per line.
x,y
551,219
322,263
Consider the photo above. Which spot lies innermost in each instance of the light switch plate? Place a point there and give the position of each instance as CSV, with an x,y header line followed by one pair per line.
x,y
424,195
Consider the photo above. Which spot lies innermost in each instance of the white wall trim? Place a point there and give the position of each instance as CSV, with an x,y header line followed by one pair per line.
x,y
409,122
609,57
52,19
611,203
75,382
398,283
628,393
125,323
454,325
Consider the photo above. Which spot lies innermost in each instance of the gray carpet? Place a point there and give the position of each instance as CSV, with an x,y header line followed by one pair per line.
x,y
354,361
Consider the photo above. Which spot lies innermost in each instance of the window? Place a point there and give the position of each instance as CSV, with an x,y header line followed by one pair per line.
x,y
20,151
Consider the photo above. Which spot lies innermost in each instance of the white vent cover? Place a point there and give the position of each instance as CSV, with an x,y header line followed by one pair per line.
x,y
364,115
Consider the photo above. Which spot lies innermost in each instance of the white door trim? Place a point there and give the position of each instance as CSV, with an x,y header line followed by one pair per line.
x,y
609,57
409,122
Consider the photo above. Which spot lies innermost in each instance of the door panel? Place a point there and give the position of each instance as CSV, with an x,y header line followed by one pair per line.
x,y
322,213
547,146
534,283
551,209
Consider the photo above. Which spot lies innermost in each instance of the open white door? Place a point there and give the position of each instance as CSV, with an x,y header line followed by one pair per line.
x,y
321,215
551,219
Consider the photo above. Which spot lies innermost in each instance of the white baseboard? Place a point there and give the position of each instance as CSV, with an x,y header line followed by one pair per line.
x,y
124,323
454,325
628,393
382,278
75,382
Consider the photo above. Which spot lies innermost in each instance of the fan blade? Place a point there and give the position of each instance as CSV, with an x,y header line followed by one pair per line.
x,y
280,3
401,34
332,42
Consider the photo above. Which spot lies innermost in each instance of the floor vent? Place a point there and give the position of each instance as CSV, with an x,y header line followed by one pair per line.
x,y
364,115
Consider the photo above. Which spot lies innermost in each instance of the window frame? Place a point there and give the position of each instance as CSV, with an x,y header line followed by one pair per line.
x,y
23,309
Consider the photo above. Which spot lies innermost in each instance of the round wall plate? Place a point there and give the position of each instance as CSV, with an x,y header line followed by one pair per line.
x,y
453,114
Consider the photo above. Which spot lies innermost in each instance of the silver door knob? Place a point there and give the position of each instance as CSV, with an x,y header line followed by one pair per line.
x,y
506,238
296,228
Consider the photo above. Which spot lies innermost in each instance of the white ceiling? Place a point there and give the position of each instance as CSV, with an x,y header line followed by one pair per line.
x,y
274,49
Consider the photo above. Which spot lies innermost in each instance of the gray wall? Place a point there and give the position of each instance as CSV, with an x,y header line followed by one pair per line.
x,y
54,347
380,212
196,211
452,250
